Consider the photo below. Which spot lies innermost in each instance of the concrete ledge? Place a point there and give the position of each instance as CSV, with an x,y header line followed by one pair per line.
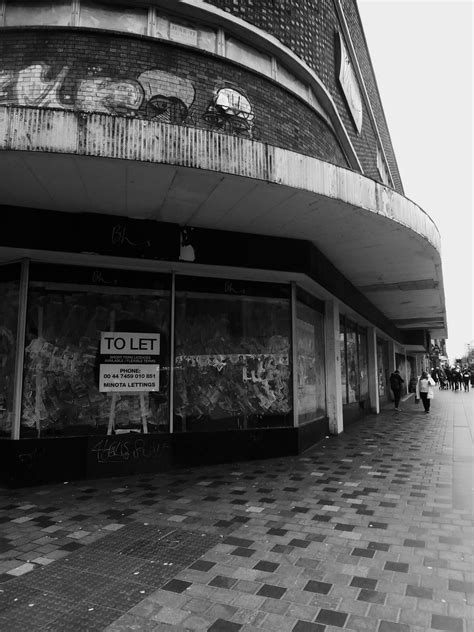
x,y
106,136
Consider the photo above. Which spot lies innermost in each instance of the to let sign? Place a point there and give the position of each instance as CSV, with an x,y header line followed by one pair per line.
x,y
129,362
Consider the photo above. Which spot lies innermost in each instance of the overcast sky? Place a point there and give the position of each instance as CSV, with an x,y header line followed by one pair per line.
x,y
422,53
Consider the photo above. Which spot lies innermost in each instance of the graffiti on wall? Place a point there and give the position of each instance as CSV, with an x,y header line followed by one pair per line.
x,y
230,111
30,86
154,94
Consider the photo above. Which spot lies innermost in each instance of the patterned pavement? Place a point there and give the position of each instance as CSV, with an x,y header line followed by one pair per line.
x,y
372,530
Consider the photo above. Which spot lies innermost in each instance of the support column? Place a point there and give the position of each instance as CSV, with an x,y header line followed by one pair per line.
x,y
333,368
407,376
391,357
373,371
391,366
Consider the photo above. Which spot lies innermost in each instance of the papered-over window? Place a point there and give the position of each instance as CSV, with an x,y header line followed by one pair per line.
x,y
64,384
311,375
232,362
354,362
103,16
38,13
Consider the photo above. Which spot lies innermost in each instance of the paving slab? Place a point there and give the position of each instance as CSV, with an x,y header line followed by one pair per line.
x,y
369,530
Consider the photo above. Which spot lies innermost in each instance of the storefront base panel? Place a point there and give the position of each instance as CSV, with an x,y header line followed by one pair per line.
x,y
355,412
311,433
38,461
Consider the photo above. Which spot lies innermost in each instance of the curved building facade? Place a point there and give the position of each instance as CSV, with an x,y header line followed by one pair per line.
x,y
207,253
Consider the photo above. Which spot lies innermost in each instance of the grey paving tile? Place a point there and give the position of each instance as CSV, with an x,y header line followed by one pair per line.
x,y
365,522
451,624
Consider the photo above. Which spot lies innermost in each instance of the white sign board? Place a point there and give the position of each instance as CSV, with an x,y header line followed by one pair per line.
x,y
183,34
129,362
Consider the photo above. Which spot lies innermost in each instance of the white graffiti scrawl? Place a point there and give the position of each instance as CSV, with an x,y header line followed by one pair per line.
x,y
231,111
108,95
153,94
30,86
165,97
168,97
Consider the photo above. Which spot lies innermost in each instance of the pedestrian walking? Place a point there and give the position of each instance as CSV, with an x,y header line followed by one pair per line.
x,y
425,391
396,382
466,378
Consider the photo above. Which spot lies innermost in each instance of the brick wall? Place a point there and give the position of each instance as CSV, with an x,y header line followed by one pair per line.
x,y
308,28
135,76
363,56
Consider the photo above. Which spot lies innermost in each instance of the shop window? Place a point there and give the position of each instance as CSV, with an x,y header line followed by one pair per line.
x,y
363,366
311,376
99,15
354,362
64,389
232,356
9,293
38,13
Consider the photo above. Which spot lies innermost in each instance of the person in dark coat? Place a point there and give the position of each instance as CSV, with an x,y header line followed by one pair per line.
x,y
396,382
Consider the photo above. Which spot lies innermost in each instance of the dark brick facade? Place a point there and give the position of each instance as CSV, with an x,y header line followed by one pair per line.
x,y
363,56
76,68
308,28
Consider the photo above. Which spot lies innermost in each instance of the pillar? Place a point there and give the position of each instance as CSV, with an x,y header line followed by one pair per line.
x,y
391,365
333,368
373,371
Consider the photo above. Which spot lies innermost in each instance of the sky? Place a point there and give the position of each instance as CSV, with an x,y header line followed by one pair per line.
x,y
422,54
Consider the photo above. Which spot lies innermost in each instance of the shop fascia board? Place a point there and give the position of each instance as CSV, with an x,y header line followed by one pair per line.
x,y
415,349
14,255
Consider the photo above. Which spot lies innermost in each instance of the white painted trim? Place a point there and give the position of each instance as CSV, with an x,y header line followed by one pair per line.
x,y
151,23
220,42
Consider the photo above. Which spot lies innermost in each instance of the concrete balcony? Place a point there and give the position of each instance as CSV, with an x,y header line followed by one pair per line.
x,y
384,244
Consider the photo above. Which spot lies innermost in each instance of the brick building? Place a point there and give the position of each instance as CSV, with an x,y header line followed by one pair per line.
x,y
206,250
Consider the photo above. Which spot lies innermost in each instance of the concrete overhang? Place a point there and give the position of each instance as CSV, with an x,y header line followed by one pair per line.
x,y
383,243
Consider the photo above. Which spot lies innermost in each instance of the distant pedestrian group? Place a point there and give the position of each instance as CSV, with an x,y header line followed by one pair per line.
x,y
455,378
